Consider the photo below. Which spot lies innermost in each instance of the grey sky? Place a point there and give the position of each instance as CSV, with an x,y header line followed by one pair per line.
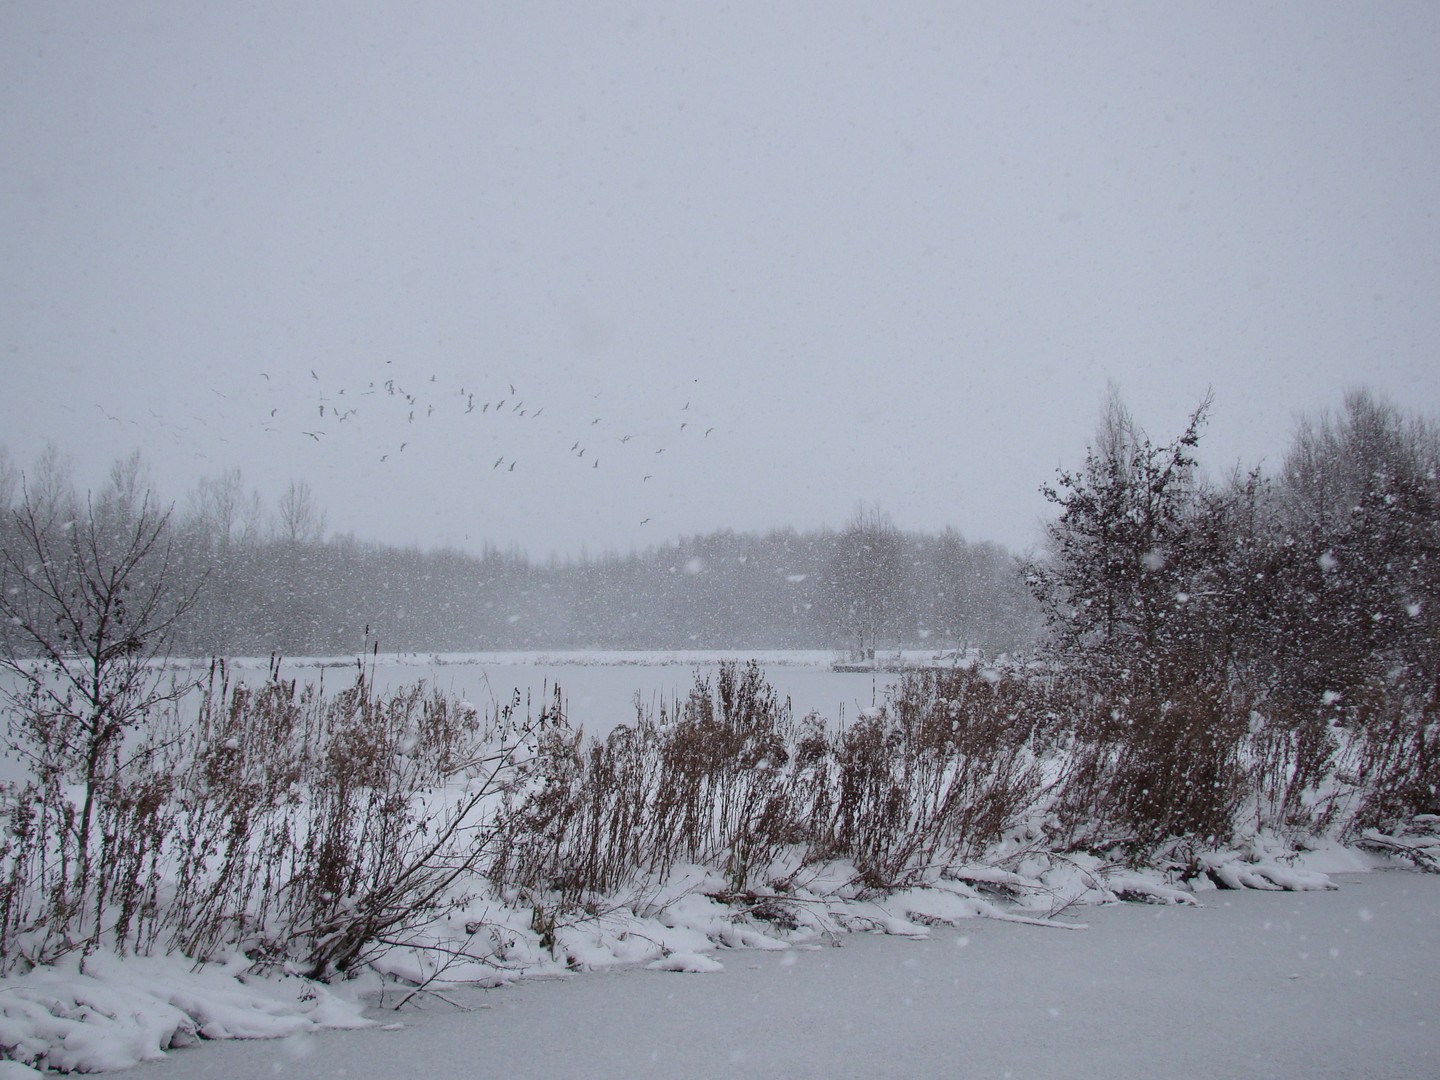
x,y
885,255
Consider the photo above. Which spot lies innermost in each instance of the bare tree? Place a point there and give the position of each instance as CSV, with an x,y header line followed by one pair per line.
x,y
222,514
9,479
300,520
864,585
90,611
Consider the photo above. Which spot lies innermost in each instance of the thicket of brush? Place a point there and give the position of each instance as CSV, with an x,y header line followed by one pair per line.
x,y
313,830
301,828
733,781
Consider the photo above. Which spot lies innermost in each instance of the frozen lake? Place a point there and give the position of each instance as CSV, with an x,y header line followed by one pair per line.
x,y
601,689
1275,985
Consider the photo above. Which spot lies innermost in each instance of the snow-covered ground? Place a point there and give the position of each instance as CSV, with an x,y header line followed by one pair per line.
x,y
1257,984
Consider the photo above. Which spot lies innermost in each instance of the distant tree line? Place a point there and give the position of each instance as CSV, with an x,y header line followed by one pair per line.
x,y
269,579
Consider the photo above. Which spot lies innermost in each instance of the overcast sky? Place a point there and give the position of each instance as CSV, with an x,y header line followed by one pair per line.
x,y
859,253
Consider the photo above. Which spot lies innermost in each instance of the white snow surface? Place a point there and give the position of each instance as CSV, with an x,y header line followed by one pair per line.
x,y
1314,984
1160,975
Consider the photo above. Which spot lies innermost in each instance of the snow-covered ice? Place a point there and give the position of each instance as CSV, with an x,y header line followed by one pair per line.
x,y
1259,984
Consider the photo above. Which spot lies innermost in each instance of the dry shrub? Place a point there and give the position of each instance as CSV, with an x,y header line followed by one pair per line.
x,y
733,782
708,786
937,775
299,827
1392,756
1144,771
44,912
1292,758
722,792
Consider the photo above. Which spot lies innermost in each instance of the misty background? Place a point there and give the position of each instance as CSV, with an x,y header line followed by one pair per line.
x,y
581,282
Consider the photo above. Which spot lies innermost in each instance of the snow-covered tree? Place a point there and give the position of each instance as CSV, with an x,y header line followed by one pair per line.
x,y
1115,583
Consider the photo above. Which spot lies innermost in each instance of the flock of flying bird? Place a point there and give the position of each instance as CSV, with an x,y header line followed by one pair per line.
x,y
329,409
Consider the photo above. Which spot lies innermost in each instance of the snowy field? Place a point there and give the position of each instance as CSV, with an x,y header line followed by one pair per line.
x,y
1255,984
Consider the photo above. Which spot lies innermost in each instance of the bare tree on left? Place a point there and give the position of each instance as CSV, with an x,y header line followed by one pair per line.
x,y
89,601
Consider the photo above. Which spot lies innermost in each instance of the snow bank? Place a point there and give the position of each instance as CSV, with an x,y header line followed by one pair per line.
x,y
118,1013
